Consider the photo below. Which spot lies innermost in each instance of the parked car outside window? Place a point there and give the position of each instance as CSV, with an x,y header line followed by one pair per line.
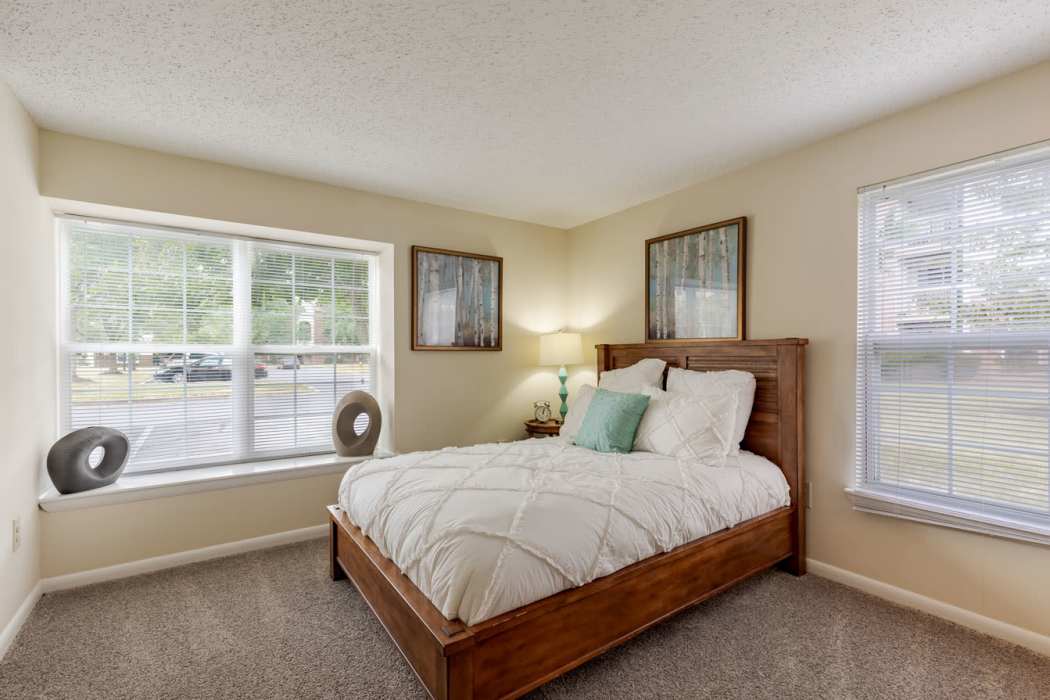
x,y
210,368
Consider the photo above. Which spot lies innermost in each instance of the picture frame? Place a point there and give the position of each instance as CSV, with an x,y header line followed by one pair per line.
x,y
457,300
695,283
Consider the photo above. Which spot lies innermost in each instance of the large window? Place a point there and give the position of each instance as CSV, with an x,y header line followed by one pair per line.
x,y
953,367
206,349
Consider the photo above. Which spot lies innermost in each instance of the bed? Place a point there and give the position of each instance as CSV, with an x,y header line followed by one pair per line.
x,y
481,639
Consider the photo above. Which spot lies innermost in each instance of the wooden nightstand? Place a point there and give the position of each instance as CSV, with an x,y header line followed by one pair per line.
x,y
536,428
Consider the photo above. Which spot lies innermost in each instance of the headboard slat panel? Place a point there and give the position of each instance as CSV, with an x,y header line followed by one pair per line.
x,y
776,429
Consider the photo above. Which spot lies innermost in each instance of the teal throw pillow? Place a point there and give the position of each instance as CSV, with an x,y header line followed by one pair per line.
x,y
611,421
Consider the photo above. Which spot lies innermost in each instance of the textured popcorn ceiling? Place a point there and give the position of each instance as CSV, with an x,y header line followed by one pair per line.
x,y
553,112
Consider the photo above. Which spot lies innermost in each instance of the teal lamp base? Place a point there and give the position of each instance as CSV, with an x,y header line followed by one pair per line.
x,y
563,392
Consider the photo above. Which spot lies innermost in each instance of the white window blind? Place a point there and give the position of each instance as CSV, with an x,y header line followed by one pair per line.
x,y
953,366
207,349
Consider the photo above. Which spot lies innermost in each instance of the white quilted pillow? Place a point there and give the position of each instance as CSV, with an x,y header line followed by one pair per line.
x,y
577,410
644,374
741,384
686,426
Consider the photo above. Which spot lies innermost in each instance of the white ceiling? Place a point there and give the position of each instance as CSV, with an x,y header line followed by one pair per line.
x,y
552,112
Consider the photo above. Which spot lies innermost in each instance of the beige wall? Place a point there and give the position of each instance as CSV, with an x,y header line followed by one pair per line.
x,y
442,398
802,282
27,372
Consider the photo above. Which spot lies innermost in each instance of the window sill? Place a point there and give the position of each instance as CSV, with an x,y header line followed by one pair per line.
x,y
897,506
140,487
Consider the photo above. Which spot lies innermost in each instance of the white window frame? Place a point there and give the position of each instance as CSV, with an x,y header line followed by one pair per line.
x,y
913,503
274,464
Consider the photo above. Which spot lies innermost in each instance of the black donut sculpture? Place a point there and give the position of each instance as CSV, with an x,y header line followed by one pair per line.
x,y
68,465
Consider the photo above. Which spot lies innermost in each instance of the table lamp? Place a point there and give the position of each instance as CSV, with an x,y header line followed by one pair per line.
x,y
561,349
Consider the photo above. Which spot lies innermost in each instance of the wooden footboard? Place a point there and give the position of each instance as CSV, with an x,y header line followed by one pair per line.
x,y
515,652
435,647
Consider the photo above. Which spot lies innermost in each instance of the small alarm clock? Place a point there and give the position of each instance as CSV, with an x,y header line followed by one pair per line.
x,y
542,411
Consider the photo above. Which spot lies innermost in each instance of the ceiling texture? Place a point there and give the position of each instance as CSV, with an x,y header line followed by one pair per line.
x,y
552,112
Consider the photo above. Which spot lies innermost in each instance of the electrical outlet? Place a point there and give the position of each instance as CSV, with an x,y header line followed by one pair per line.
x,y
16,534
809,495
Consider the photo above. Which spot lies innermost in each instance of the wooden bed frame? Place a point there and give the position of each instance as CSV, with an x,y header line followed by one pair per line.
x,y
513,653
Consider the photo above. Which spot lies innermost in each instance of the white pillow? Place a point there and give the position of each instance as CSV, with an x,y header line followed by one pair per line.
x,y
644,374
577,410
688,427
740,384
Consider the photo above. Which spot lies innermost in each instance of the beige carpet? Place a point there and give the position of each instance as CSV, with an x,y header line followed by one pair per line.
x,y
271,625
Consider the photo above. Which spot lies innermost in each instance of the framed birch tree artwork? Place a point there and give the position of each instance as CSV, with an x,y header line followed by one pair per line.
x,y
457,300
694,283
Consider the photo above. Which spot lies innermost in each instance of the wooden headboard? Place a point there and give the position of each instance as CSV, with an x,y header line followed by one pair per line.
x,y
776,429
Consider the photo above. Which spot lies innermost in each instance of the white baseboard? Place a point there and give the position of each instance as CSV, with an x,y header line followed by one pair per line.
x,y
167,561
901,596
8,634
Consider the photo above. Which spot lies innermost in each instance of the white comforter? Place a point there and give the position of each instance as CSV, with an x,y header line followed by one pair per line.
x,y
485,529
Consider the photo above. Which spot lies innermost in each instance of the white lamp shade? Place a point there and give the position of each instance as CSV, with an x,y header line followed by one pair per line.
x,y
561,349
